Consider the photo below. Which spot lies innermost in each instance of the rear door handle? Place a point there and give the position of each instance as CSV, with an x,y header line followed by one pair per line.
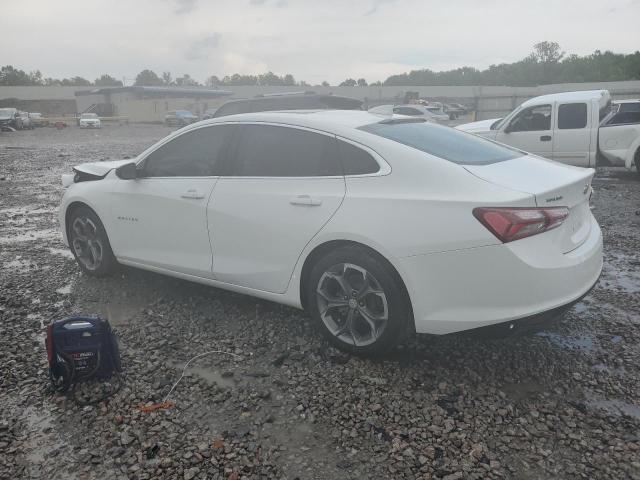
x,y
545,138
192,193
306,200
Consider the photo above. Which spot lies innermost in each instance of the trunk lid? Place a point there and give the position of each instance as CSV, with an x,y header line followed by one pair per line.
x,y
553,185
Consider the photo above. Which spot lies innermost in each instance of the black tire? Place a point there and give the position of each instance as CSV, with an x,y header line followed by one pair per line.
x,y
385,289
89,243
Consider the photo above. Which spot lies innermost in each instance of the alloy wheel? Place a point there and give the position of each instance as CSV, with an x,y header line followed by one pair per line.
x,y
352,304
86,243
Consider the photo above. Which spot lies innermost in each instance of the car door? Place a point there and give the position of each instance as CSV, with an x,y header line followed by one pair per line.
x,y
161,216
283,184
530,130
572,137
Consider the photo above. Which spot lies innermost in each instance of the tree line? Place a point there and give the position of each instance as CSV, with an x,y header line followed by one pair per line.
x,y
546,64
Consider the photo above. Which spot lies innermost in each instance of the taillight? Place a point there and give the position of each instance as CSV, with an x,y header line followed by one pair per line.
x,y
509,224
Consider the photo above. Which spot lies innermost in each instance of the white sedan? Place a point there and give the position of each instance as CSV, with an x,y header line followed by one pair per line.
x,y
375,225
89,120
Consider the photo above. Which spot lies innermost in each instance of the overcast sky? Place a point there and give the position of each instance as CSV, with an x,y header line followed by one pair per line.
x,y
313,40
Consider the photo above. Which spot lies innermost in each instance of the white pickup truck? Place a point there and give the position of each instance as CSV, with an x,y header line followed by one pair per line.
x,y
577,128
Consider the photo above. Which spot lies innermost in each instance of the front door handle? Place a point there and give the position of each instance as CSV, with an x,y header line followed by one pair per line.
x,y
192,193
306,200
545,138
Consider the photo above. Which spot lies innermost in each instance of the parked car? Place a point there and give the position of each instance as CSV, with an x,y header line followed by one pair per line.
x,y
180,118
89,120
570,127
38,120
412,110
288,101
27,124
375,225
454,110
10,118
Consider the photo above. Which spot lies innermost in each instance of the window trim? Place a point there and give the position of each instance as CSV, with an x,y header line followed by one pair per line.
x,y
586,122
385,168
522,110
375,155
144,155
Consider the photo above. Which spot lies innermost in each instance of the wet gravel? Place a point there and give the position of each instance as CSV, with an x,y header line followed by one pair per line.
x,y
561,404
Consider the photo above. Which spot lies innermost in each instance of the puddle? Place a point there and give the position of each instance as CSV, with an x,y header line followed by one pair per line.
x,y
62,251
30,236
523,391
120,314
39,444
583,342
617,408
210,374
66,290
27,210
20,266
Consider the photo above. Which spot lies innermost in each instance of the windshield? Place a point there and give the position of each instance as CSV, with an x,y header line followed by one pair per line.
x,y
444,142
88,115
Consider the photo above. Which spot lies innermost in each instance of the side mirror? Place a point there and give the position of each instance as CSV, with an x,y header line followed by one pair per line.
x,y
127,171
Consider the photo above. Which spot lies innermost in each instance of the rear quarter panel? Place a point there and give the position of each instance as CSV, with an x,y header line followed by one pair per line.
x,y
619,143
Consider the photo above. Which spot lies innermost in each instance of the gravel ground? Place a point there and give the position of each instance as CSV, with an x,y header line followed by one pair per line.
x,y
560,404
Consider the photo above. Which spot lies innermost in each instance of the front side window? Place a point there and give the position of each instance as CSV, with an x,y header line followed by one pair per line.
x,y
197,153
572,116
444,142
532,119
273,151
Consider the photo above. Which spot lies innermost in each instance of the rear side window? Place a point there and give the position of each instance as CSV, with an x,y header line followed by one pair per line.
x,y
197,153
572,116
627,113
356,161
444,142
272,151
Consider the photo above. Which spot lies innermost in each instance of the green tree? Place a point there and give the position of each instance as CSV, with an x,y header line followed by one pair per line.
x,y
325,83
349,82
362,82
166,78
107,81
148,78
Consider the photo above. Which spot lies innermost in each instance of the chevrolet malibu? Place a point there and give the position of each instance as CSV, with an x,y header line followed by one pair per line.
x,y
376,225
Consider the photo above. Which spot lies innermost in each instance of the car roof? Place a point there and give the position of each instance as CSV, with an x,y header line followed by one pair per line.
x,y
582,95
627,100
329,120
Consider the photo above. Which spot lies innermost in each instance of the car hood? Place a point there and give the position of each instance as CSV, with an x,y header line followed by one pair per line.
x,y
480,126
100,169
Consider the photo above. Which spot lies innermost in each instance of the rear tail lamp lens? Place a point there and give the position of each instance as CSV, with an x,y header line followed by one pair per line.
x,y
509,224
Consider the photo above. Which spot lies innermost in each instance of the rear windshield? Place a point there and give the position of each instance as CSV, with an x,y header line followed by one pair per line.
x,y
444,142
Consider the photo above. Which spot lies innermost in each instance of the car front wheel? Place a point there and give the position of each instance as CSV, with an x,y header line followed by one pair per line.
x,y
89,243
357,301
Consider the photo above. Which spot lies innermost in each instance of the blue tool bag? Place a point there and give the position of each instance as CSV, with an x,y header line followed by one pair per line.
x,y
80,349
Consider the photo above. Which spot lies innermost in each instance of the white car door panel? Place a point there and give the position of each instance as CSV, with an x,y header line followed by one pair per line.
x,y
163,222
572,137
284,185
261,225
530,130
161,217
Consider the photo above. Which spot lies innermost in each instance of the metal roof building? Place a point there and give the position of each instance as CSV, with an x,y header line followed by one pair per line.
x,y
148,104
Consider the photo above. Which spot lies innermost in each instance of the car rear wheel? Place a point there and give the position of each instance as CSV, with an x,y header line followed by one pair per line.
x,y
89,243
356,301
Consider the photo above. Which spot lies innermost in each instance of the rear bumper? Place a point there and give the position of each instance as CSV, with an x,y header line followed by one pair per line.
x,y
466,289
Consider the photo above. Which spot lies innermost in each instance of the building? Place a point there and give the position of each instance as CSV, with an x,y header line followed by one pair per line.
x,y
147,104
